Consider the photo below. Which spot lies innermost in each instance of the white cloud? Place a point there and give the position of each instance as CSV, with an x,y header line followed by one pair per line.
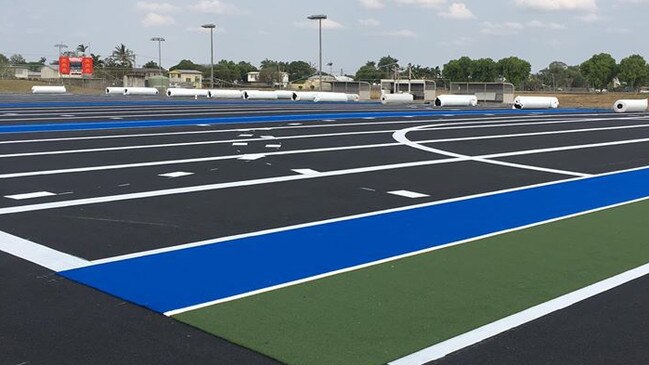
x,y
369,22
326,24
457,11
508,28
540,24
401,33
421,3
154,7
553,5
156,20
589,18
372,4
214,7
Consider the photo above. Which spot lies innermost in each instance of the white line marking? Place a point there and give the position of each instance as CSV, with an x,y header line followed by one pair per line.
x,y
401,136
273,146
240,144
340,219
39,254
408,194
115,118
368,118
176,174
295,124
246,135
267,137
306,171
358,170
378,262
386,260
505,324
308,126
37,194
251,157
289,152
67,115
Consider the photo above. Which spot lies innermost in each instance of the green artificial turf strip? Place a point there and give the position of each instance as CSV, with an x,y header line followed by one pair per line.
x,y
378,314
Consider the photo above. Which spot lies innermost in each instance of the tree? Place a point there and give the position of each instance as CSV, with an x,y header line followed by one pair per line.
x,y
97,61
4,61
299,70
458,70
633,71
188,65
17,59
387,64
484,70
123,57
82,48
599,70
151,64
368,72
514,70
244,68
270,75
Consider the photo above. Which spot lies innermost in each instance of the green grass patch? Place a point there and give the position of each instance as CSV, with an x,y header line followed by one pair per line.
x,y
378,314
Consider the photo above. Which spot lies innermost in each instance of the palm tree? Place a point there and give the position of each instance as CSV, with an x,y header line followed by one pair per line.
x,y
96,60
82,48
123,56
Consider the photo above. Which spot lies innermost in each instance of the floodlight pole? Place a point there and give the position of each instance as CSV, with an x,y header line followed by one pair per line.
x,y
159,40
211,28
319,18
60,46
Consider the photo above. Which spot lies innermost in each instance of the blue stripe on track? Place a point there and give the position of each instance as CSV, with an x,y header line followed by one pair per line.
x,y
178,279
100,125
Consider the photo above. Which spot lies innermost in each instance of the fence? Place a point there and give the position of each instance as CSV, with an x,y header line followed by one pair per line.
x,y
420,89
495,92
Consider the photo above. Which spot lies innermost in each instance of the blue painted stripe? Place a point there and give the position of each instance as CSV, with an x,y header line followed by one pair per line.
x,y
178,279
101,125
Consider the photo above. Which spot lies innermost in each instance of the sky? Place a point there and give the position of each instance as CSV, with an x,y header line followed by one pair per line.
x,y
425,32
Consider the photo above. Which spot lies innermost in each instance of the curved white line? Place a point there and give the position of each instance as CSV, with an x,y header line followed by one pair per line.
x,y
401,137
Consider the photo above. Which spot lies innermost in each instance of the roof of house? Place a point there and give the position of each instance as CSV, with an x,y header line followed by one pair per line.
x,y
186,72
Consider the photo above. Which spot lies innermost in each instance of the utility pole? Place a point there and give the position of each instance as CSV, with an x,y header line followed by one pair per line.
x,y
319,18
159,40
60,46
211,28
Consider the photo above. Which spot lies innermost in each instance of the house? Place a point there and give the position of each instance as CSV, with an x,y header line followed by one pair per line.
x,y
50,72
253,78
139,77
186,78
21,72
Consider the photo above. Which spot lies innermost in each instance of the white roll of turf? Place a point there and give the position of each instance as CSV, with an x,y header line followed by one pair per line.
x,y
403,98
48,90
141,91
353,97
304,95
330,97
456,100
224,94
193,93
631,105
259,95
284,94
114,90
536,102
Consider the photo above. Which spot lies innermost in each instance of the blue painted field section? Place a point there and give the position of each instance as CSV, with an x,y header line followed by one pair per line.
x,y
150,123
182,278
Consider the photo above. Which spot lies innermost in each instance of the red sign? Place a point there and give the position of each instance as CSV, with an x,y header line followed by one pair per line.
x,y
64,65
87,66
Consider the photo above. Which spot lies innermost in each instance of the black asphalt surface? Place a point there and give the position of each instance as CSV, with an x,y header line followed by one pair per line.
x,y
47,319
610,328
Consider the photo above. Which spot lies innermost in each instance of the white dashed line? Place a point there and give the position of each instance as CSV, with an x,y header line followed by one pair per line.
x,y
176,174
408,194
37,194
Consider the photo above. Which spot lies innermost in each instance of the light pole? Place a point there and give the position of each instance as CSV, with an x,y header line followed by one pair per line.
x,y
211,28
159,40
319,18
60,46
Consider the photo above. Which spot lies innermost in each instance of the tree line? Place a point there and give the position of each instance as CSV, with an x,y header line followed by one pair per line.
x,y
598,72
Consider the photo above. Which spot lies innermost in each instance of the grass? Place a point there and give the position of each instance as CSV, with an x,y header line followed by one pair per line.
x,y
25,86
378,314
